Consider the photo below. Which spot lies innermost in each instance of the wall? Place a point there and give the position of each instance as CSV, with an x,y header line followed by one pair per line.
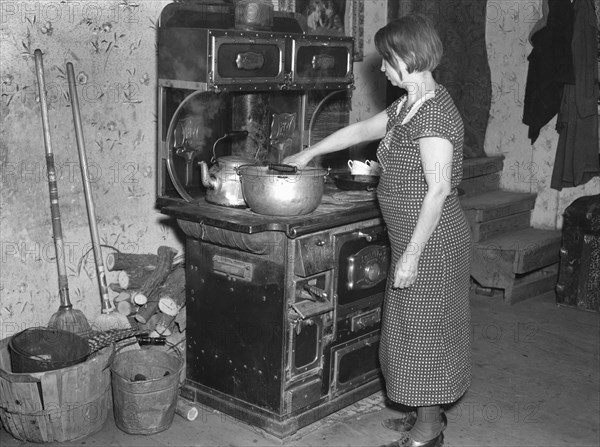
x,y
369,97
112,47
527,167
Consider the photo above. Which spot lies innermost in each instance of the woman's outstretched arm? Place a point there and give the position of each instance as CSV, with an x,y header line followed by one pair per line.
x,y
367,130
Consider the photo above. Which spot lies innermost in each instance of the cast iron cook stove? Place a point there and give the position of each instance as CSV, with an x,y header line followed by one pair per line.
x,y
283,313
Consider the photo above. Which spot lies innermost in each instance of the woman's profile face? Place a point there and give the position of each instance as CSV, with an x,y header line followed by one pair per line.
x,y
396,77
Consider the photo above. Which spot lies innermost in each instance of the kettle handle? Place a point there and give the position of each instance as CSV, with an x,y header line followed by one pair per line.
x,y
233,133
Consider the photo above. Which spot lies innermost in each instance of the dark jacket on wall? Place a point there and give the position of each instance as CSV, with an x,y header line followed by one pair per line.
x,y
550,67
577,152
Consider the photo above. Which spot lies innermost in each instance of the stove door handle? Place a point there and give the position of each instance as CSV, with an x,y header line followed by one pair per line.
x,y
368,237
318,293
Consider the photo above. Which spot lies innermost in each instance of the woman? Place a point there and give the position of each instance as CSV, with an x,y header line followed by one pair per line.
x,y
425,336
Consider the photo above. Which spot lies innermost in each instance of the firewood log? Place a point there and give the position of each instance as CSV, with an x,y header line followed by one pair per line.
x,y
170,304
127,261
125,308
115,287
139,299
186,409
164,324
150,324
150,288
134,278
123,304
180,320
173,285
123,296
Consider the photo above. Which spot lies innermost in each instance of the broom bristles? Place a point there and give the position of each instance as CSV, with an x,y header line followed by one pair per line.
x,y
71,320
111,320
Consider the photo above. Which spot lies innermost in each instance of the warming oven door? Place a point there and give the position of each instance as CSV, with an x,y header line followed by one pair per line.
x,y
321,61
238,59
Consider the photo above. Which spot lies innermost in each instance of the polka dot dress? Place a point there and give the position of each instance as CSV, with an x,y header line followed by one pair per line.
x,y
425,349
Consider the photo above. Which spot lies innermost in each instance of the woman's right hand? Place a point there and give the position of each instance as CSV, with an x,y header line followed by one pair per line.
x,y
301,159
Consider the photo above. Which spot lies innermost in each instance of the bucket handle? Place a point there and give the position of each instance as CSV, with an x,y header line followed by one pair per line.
x,y
155,341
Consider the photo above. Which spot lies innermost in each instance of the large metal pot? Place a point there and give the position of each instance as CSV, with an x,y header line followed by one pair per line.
x,y
282,190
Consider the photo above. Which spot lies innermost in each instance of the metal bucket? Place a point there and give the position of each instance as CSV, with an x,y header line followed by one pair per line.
x,y
145,384
42,349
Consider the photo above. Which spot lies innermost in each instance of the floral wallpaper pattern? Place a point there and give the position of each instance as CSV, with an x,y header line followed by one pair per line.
x,y
112,47
527,167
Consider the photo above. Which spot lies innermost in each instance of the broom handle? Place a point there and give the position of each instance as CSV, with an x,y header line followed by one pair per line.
x,y
63,285
107,305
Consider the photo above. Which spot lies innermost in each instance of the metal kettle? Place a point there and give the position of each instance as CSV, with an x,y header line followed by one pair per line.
x,y
222,182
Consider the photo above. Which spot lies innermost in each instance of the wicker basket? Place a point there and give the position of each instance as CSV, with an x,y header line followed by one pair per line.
x,y
55,406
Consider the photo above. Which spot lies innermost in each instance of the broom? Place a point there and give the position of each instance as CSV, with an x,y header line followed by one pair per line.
x,y
66,318
108,319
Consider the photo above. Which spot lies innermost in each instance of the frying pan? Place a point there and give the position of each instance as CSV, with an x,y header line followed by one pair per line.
x,y
349,182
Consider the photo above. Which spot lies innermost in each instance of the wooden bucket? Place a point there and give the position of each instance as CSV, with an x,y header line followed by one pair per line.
x,y
55,406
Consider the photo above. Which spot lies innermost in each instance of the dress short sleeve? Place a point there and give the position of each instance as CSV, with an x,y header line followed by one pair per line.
x,y
437,119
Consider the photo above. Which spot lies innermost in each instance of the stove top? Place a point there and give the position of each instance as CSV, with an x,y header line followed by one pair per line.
x,y
337,208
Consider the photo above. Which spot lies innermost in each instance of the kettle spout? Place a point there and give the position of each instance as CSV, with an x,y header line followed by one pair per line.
x,y
208,181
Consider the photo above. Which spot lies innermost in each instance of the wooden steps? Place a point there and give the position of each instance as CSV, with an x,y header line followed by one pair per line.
x,y
523,263
508,255
495,212
481,174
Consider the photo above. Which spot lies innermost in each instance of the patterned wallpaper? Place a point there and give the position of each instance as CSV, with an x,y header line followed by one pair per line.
x,y
112,47
527,167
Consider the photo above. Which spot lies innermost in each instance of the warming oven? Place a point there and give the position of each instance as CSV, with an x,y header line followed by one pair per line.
x,y
283,313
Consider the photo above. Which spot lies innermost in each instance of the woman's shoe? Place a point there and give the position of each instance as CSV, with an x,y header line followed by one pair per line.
x,y
406,441
406,422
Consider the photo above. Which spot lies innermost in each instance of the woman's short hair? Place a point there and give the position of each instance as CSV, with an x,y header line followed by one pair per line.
x,y
413,39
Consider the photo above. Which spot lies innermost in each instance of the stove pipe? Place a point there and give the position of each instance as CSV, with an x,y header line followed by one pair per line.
x,y
250,110
254,15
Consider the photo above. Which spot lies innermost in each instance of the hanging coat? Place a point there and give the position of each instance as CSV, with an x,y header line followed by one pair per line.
x,y
550,67
577,159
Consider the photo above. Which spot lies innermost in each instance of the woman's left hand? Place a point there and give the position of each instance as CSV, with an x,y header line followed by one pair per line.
x,y
405,273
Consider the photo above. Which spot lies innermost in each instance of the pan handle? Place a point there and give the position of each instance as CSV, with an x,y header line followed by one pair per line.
x,y
283,168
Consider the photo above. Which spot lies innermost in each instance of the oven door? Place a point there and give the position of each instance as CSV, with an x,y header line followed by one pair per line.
x,y
363,262
354,363
306,337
